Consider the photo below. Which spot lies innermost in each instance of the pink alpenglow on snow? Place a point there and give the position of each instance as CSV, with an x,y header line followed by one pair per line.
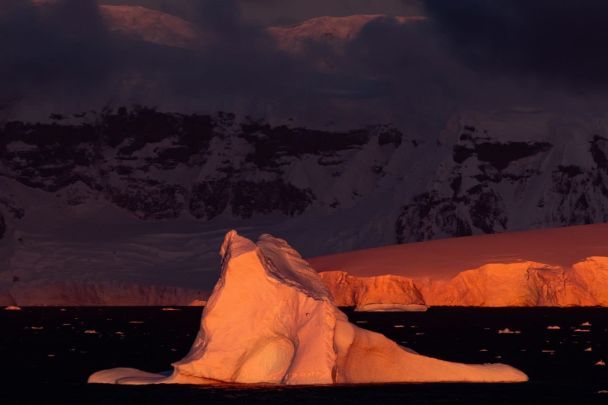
x,y
271,319
374,294
548,267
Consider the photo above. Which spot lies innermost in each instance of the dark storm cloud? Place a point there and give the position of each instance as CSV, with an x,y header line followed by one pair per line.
x,y
281,12
63,59
62,55
68,46
563,42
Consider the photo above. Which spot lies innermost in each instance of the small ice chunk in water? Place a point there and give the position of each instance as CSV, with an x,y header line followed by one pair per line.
x,y
548,351
589,349
507,331
36,327
12,308
581,330
553,327
398,326
90,332
170,309
483,350
586,324
601,363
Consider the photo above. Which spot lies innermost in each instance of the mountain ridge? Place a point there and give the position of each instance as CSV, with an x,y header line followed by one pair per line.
x,y
135,181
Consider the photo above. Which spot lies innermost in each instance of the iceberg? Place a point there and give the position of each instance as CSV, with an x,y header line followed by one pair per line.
x,y
387,293
272,320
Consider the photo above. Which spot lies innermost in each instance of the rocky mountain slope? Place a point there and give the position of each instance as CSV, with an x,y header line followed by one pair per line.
x,y
142,196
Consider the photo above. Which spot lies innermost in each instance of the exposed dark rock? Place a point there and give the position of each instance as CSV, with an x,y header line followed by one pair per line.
x,y
487,211
500,155
268,196
2,226
462,153
149,199
210,198
121,155
429,216
599,151
497,154
570,170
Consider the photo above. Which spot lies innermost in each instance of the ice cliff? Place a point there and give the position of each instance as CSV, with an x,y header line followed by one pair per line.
x,y
271,319
519,284
549,267
380,293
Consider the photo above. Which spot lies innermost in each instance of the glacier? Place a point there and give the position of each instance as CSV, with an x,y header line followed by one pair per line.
x,y
558,267
272,320
516,284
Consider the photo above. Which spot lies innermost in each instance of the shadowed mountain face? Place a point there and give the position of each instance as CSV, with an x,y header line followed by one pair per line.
x,y
141,198
2,226
162,166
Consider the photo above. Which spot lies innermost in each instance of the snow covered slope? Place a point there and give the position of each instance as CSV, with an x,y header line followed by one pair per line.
x,y
149,25
331,31
270,319
140,23
494,270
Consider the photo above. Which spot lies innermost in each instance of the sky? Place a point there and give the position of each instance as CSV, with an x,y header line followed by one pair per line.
x,y
466,55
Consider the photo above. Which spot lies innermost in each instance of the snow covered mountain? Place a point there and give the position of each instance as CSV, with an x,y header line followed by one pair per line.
x,y
149,25
143,197
327,30
140,23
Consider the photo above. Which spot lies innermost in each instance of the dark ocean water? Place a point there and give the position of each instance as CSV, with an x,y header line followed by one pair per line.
x,y
48,353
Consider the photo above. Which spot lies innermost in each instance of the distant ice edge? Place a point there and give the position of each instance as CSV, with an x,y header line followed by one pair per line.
x,y
271,319
514,284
